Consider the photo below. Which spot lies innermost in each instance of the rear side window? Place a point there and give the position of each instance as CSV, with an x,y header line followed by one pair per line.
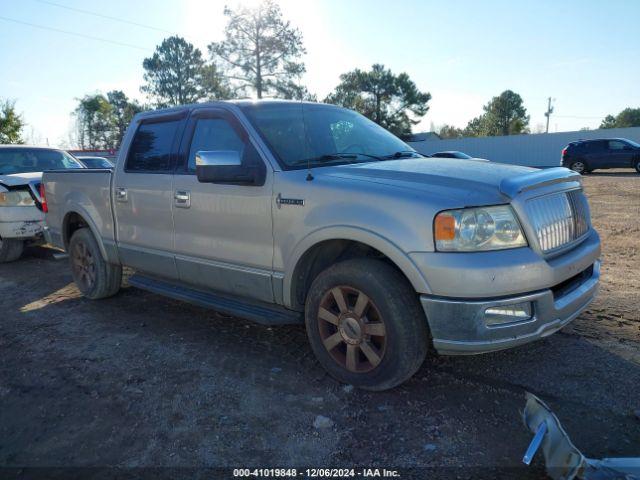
x,y
597,146
576,147
151,147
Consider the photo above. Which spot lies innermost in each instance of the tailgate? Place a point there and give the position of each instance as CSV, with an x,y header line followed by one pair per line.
x,y
83,193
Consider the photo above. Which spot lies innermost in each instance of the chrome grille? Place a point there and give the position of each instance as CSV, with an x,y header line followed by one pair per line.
x,y
559,219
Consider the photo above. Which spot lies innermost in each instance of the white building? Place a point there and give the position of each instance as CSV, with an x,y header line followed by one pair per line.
x,y
535,150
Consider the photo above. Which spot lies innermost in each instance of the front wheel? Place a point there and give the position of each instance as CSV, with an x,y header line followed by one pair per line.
x,y
10,249
94,277
637,166
365,324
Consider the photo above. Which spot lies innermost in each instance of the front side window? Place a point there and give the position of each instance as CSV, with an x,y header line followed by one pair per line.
x,y
213,134
322,134
150,149
23,160
617,145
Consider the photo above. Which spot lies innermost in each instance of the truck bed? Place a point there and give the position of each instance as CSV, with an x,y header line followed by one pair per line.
x,y
83,192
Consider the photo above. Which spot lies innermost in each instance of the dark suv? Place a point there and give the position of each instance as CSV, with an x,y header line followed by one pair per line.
x,y
584,156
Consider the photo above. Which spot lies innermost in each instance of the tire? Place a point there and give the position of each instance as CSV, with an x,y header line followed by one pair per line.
x,y
10,249
375,345
579,166
94,277
636,165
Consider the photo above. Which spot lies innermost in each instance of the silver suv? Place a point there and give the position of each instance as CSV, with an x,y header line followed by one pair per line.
x,y
302,212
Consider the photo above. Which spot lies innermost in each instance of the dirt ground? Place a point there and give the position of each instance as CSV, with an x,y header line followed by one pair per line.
x,y
138,381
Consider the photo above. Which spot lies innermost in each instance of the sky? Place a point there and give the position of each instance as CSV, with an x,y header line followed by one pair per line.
x,y
583,54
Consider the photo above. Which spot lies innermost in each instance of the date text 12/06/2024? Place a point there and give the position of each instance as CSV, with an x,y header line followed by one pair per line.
x,y
316,472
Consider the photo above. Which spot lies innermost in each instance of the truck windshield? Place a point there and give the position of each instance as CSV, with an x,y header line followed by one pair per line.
x,y
23,160
317,134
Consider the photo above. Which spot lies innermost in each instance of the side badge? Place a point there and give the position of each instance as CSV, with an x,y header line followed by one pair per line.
x,y
280,200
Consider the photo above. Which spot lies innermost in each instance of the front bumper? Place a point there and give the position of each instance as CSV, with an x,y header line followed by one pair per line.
x,y
21,222
22,229
458,327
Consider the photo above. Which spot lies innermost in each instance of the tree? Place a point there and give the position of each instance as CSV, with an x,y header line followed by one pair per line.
x,y
214,84
503,115
608,122
94,121
476,127
449,131
261,51
173,75
122,111
11,123
392,101
629,117
102,121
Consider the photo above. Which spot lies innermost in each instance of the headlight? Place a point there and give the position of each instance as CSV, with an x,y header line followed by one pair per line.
x,y
473,229
16,198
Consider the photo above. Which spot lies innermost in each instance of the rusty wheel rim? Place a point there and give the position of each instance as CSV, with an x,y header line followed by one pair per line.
x,y
83,266
351,329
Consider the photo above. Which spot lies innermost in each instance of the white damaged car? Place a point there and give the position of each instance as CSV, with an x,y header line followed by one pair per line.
x,y
21,210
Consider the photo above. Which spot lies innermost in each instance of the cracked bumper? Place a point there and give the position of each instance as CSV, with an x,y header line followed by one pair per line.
x,y
23,229
458,327
21,222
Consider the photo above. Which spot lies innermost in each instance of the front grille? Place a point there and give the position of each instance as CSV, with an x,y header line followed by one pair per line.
x,y
559,219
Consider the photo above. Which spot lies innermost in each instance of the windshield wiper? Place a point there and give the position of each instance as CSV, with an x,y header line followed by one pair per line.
x,y
402,154
334,156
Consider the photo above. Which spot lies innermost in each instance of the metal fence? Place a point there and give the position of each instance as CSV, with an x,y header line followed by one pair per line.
x,y
535,150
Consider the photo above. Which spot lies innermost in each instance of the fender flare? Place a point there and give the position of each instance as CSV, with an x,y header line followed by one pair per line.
x,y
356,234
82,213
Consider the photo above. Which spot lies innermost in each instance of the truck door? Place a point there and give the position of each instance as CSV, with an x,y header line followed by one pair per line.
x,y
223,233
143,197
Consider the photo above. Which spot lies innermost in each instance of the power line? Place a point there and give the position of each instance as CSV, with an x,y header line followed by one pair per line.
x,y
75,34
579,117
108,17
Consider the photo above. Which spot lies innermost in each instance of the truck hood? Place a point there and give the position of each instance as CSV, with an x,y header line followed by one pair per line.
x,y
17,179
469,182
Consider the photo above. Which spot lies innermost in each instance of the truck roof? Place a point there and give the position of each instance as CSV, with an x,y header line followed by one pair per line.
x,y
30,147
247,101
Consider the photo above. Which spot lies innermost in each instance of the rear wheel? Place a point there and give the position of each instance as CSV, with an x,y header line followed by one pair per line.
x,y
365,324
579,166
10,249
94,277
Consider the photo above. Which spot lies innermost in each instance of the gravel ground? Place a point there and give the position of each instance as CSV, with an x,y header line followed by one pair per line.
x,y
141,381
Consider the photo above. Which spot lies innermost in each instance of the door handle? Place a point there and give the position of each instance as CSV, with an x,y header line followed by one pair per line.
x,y
121,194
182,198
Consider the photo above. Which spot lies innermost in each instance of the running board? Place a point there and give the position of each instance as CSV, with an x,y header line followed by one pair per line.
x,y
259,312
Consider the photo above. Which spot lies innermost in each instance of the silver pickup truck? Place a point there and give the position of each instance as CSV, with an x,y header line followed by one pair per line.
x,y
285,212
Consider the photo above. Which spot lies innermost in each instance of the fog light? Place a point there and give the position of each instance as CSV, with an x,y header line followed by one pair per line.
x,y
500,314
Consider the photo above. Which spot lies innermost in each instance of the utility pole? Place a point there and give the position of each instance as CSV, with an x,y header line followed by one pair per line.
x,y
548,113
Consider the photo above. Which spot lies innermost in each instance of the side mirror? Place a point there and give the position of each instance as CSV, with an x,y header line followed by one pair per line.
x,y
223,166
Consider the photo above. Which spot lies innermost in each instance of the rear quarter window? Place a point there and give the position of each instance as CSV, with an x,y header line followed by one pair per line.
x,y
151,147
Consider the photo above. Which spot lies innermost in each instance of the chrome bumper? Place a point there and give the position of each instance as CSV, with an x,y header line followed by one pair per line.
x,y
458,327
